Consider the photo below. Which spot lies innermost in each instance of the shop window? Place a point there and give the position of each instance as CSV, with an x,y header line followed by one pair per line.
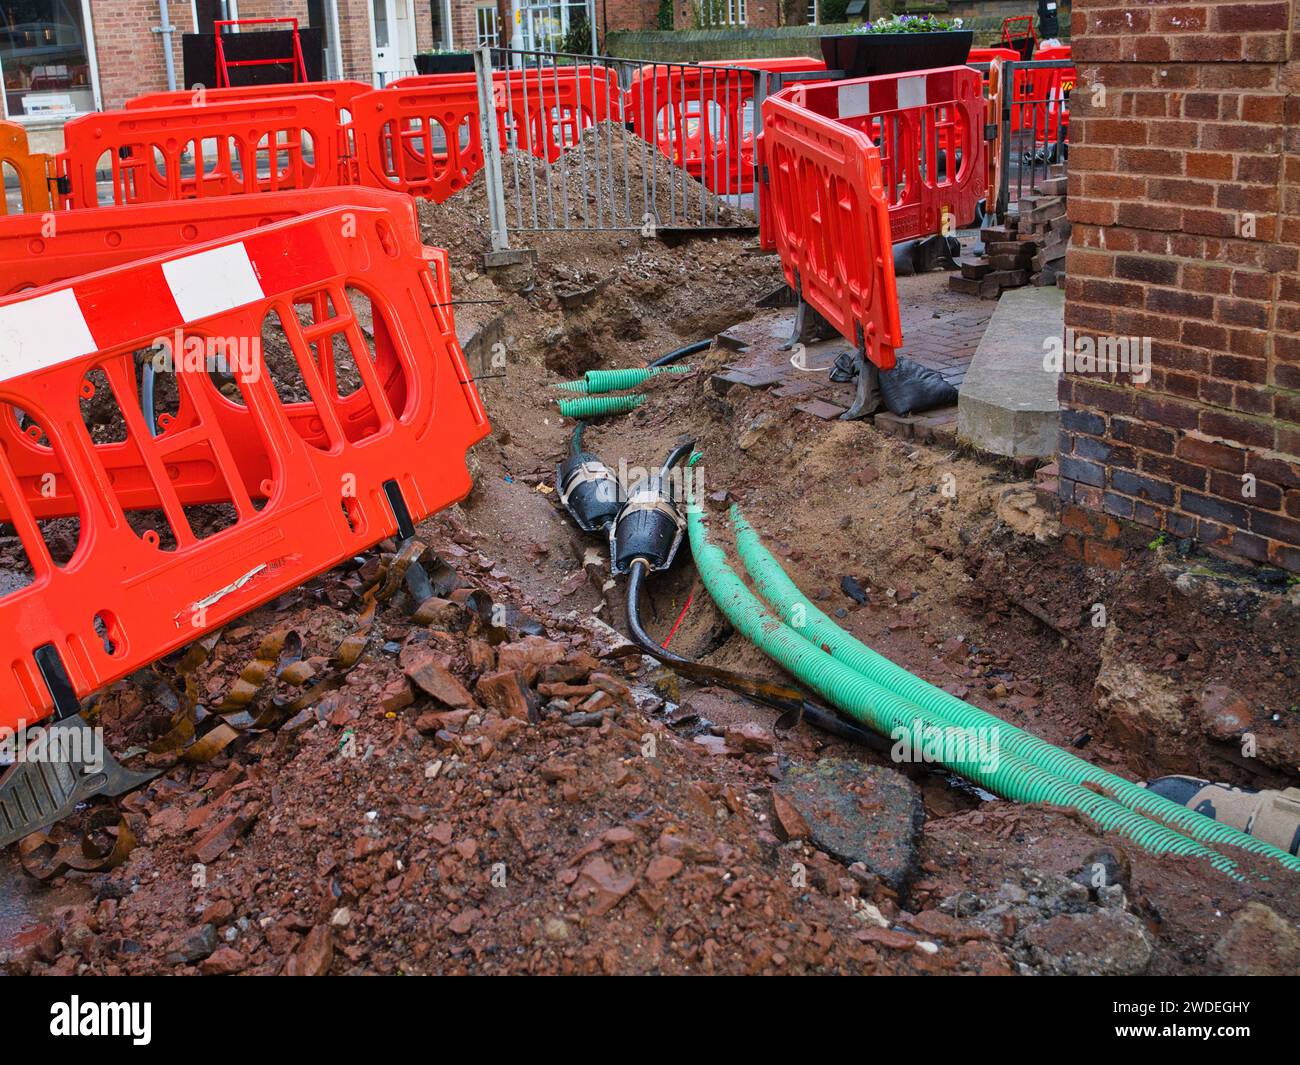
x,y
45,58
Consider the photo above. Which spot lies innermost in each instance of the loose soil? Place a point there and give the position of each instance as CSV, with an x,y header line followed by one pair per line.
x,y
467,797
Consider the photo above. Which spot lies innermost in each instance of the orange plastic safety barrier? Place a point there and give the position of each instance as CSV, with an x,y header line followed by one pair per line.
x,y
928,129
339,93
368,345
702,119
1041,98
422,139
548,110
691,115
737,171
221,149
105,237
31,171
995,89
828,216
987,55
33,254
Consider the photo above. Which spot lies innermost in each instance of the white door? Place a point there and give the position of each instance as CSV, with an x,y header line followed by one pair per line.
x,y
392,24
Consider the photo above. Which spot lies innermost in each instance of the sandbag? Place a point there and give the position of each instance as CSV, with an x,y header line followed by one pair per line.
x,y
910,387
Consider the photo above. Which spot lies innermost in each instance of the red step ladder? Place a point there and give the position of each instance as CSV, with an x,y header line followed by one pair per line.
x,y
224,64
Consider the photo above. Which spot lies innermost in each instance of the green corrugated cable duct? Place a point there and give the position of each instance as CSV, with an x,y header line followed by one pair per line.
x,y
775,586
594,382
599,406
864,700
617,380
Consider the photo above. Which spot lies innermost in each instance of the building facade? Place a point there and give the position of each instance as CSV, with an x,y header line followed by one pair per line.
x,y
61,58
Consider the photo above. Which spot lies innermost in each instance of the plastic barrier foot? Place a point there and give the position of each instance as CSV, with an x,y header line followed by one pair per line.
x,y
867,399
37,794
809,327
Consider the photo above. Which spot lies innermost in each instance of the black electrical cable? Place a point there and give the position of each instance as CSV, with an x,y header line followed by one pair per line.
x,y
635,580
675,456
681,353
789,700
147,398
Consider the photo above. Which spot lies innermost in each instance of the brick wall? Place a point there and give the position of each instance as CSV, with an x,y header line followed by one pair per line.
x,y
354,38
628,15
130,56
1185,198
759,14
464,29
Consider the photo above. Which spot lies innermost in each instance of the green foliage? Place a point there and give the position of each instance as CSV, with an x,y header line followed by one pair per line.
x,y
578,40
833,11
666,14
910,24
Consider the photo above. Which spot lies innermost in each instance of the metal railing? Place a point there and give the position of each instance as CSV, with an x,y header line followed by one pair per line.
x,y
1035,125
584,143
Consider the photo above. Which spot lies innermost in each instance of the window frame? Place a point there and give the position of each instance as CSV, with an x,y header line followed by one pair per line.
x,y
92,62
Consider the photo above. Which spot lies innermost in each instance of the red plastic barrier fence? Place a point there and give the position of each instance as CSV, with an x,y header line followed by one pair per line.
x,y
987,55
394,413
421,139
32,170
36,251
738,167
828,218
690,115
339,93
105,237
221,149
1041,96
548,109
928,129
701,119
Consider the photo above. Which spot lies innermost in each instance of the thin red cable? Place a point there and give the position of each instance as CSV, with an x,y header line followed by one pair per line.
x,y
680,618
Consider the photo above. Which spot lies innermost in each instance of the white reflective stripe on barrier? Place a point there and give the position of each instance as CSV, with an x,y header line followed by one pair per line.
x,y
212,282
41,331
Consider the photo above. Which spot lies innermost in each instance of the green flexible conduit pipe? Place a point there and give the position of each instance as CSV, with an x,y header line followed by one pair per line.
x,y
599,406
594,382
775,586
864,700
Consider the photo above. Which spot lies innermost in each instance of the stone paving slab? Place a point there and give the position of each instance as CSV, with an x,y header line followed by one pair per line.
x,y
941,330
1008,403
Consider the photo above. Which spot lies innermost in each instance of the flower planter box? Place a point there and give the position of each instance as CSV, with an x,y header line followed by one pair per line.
x,y
862,55
445,63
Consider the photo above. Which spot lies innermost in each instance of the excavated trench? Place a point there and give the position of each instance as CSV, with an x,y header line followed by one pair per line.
x,y
970,590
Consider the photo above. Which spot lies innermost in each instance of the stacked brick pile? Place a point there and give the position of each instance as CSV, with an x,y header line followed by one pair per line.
x,y
1028,250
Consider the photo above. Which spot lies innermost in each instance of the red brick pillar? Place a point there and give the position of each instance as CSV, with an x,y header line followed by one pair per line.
x,y
1185,198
